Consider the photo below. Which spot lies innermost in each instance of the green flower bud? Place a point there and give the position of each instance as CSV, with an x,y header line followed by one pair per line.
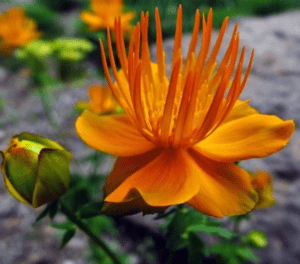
x,y
256,239
35,169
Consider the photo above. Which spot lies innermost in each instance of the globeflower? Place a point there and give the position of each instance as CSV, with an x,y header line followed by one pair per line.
x,y
16,30
102,101
104,14
180,137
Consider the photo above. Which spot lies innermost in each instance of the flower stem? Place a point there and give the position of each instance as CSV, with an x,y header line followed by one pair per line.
x,y
83,227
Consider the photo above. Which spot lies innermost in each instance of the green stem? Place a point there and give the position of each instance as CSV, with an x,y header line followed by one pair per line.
x,y
83,227
236,229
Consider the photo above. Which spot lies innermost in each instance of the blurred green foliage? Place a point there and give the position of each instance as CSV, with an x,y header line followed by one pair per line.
x,y
48,20
222,8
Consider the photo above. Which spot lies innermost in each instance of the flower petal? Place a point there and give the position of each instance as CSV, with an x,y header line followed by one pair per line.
x,y
162,178
92,20
240,109
225,188
252,136
113,134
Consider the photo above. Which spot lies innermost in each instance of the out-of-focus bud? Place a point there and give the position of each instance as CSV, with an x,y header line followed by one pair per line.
x,y
102,101
35,169
256,239
262,183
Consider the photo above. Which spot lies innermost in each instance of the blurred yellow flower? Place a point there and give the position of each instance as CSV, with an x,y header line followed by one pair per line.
x,y
102,101
180,137
262,183
16,30
104,14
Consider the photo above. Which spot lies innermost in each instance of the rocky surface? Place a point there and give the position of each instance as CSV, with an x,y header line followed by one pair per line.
x,y
273,88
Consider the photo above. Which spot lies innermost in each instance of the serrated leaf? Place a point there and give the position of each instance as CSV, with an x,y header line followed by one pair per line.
x,y
65,226
196,249
67,237
164,214
215,230
90,210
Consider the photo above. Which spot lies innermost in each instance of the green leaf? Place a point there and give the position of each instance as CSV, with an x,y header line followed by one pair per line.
x,y
43,214
67,237
102,223
215,230
90,210
247,254
68,225
177,237
196,249
233,253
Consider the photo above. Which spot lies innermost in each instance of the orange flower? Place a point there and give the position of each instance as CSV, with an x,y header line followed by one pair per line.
x,y
16,30
179,138
104,14
102,101
262,183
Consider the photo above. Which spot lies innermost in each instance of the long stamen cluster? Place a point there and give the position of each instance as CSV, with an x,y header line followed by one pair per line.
x,y
187,108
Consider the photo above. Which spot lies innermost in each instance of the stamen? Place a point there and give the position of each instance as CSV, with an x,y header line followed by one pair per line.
x,y
216,49
114,69
159,48
178,36
137,100
113,88
145,48
121,46
168,111
184,106
195,33
214,107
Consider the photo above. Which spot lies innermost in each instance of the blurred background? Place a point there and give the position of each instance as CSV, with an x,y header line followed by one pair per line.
x,y
66,62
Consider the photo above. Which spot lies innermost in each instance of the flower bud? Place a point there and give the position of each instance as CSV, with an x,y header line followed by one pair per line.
x,y
262,183
35,169
257,239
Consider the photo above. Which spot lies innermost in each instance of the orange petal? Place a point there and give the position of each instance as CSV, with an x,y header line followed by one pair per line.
x,y
162,179
240,109
113,134
92,20
225,188
252,136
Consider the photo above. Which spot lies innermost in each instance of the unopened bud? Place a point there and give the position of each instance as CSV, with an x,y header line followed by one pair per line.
x,y
35,169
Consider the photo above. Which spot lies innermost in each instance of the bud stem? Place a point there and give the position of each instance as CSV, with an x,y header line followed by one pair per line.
x,y
83,227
